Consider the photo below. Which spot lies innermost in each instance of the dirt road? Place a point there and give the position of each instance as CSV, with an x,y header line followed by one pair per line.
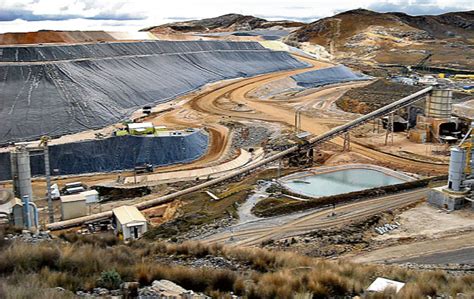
x,y
217,103
256,232
434,251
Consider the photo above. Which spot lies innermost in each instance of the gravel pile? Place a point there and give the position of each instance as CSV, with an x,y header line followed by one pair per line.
x,y
454,269
334,241
29,237
208,229
209,261
249,136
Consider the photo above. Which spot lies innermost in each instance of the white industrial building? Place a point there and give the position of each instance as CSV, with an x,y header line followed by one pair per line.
x,y
129,222
91,196
458,192
73,206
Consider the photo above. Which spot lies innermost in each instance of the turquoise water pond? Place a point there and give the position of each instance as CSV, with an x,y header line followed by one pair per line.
x,y
340,182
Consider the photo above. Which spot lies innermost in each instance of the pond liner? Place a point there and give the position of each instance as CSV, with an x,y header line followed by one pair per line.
x,y
326,76
59,90
114,154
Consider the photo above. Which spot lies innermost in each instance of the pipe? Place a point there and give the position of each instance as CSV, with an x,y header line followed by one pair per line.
x,y
324,137
26,212
35,214
465,137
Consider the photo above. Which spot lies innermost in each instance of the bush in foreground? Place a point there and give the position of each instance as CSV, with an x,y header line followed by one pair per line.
x,y
264,274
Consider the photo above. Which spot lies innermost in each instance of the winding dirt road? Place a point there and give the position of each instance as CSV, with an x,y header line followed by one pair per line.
x,y
214,105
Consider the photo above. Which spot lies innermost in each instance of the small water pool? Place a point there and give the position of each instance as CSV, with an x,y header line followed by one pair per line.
x,y
340,181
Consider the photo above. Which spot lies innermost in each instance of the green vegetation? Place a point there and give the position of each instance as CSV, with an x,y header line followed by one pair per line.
x,y
31,270
110,280
271,203
199,209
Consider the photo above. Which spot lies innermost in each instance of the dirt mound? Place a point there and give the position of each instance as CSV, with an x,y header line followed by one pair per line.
x,y
393,38
381,93
50,36
228,22
374,96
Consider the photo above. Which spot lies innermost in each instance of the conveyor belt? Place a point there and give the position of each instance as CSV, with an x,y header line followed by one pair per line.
x,y
248,169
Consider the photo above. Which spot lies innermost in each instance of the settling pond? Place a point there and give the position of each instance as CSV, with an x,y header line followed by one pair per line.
x,y
327,181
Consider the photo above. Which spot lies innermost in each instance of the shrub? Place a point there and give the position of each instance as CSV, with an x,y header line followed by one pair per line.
x,y
110,280
28,258
267,274
101,240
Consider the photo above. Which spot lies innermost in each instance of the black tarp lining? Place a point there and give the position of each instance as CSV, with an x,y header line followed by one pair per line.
x,y
66,97
115,153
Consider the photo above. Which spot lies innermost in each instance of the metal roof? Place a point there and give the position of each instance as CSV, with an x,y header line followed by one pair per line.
x,y
72,198
140,125
128,214
90,192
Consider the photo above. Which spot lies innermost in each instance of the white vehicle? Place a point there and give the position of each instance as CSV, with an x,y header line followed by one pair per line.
x,y
428,80
55,191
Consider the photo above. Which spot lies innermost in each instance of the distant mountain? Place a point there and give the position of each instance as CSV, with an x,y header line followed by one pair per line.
x,y
71,37
228,22
53,36
453,24
393,37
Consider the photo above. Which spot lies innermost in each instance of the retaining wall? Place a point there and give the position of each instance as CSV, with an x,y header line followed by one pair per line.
x,y
115,153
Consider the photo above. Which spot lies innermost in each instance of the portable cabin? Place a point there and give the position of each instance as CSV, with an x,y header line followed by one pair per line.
x,y
73,206
129,222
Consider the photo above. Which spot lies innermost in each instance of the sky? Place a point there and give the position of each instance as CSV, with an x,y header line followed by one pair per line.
x,y
128,15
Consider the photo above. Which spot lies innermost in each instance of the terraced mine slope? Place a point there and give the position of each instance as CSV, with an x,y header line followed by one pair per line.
x,y
393,38
57,90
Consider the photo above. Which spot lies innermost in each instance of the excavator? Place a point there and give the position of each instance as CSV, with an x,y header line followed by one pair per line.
x,y
420,65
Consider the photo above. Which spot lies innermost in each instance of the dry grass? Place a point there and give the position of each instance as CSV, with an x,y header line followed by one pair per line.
x,y
78,266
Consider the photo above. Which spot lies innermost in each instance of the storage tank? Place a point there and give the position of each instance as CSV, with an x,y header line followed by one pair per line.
x,y
439,104
23,173
457,164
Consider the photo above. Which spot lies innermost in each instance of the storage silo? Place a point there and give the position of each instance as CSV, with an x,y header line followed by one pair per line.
x,y
439,104
457,164
21,172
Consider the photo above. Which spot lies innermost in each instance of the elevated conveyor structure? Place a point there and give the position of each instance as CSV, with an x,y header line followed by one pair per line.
x,y
247,169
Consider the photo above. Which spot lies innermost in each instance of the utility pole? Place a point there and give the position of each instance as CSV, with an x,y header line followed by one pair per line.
x,y
47,172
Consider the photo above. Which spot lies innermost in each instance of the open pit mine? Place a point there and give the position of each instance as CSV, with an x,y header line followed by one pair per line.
x,y
240,157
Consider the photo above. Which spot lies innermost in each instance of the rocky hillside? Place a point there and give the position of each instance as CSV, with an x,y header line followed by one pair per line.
x,y
228,22
393,38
